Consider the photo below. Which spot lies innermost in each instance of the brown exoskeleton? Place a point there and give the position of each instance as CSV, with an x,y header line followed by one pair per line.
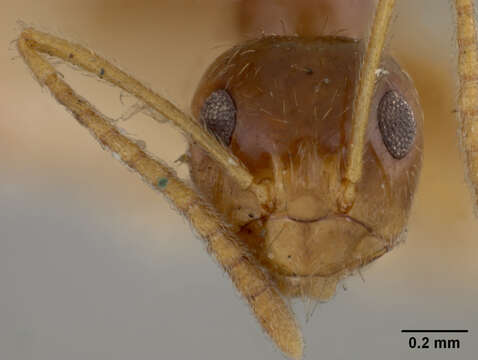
x,y
306,152
291,129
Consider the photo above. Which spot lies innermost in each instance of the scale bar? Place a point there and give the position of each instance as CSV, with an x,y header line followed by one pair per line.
x,y
435,331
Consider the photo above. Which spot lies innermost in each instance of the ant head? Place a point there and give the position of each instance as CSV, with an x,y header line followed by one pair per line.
x,y
283,105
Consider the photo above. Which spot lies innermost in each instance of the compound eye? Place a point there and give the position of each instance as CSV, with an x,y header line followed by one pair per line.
x,y
219,115
397,124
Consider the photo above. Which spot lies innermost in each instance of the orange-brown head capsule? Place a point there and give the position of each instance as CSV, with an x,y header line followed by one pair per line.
x,y
283,105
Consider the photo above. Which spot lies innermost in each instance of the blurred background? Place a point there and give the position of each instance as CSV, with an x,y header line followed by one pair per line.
x,y
93,264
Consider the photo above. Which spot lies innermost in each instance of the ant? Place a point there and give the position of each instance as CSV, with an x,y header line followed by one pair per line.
x,y
289,141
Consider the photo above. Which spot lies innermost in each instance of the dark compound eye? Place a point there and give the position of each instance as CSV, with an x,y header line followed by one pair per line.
x,y
219,115
397,124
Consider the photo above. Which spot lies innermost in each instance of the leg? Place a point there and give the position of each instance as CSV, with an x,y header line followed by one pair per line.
x,y
265,302
363,99
468,93
86,59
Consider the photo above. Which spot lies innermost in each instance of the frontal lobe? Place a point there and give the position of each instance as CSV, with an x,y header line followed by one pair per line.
x,y
286,90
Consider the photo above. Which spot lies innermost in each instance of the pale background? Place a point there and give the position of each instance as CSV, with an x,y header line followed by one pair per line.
x,y
94,265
